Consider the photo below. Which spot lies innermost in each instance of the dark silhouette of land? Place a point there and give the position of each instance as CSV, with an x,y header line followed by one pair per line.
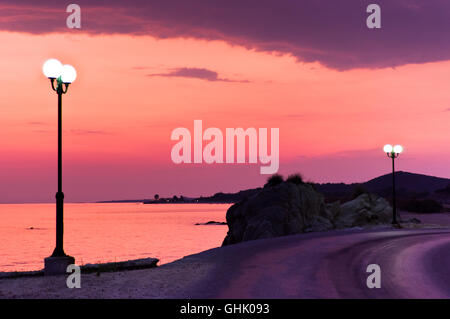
x,y
409,186
407,183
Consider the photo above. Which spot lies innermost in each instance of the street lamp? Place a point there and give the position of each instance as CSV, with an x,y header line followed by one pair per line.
x,y
393,152
63,75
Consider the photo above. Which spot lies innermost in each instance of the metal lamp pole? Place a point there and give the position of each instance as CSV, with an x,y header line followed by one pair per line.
x,y
60,78
59,249
393,153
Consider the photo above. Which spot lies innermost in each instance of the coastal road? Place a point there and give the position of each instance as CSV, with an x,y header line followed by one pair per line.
x,y
414,264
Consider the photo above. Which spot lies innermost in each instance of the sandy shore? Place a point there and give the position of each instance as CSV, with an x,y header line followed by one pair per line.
x,y
196,275
168,281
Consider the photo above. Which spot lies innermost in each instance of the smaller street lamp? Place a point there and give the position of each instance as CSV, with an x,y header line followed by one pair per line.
x,y
393,152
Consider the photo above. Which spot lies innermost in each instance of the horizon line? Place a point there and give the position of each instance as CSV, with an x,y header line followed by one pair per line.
x,y
108,201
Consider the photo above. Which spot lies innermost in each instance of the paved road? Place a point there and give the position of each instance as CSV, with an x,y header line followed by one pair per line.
x,y
414,264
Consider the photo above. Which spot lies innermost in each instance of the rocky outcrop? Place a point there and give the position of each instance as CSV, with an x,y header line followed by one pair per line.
x,y
366,209
288,208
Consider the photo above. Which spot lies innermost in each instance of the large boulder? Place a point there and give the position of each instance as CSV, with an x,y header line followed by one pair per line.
x,y
289,208
366,209
284,209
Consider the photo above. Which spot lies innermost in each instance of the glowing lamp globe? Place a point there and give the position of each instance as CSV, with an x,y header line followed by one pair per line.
x,y
52,68
69,74
387,148
398,149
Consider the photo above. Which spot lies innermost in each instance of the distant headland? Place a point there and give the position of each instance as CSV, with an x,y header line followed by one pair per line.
x,y
409,186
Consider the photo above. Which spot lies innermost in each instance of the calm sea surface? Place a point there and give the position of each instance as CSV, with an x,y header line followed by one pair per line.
x,y
107,232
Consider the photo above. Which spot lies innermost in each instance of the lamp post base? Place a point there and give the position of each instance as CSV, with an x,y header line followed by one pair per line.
x,y
57,265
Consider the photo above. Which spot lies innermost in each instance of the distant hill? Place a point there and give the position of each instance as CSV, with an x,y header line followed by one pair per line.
x,y
409,181
406,184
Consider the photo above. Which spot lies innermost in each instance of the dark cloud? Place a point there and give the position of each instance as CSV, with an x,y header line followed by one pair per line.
x,y
37,123
447,109
333,33
196,73
73,131
88,132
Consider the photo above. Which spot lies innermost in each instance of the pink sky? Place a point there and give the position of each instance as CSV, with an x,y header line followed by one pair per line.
x,y
117,120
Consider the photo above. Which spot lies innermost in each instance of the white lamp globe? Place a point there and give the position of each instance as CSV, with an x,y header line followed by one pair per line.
x,y
69,74
52,68
398,149
387,148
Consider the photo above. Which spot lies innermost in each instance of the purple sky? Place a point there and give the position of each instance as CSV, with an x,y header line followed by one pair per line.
x,y
331,32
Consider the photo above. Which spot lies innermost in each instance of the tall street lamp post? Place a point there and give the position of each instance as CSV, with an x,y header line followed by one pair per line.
x,y
61,76
393,152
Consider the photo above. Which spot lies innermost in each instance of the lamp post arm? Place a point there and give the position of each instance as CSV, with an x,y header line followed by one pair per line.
x,y
64,91
52,81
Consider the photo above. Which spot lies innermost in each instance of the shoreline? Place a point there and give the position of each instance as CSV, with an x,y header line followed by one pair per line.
x,y
428,221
